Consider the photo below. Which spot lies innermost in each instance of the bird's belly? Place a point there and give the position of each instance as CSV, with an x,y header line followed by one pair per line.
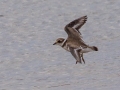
x,y
85,50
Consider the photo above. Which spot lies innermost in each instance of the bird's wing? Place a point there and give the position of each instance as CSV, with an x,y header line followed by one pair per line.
x,y
73,33
77,23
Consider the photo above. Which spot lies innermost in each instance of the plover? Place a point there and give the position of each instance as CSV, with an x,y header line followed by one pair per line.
x,y
74,42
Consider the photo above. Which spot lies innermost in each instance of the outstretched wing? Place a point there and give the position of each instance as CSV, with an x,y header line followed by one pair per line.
x,y
77,23
73,33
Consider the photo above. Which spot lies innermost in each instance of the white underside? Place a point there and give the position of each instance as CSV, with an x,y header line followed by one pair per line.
x,y
85,50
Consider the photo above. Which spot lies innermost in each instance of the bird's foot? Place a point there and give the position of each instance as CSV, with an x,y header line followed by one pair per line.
x,y
79,62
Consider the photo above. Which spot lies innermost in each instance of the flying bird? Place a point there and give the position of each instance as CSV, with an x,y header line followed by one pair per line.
x,y
74,43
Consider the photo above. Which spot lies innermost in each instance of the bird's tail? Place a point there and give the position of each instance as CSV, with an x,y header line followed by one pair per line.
x,y
94,48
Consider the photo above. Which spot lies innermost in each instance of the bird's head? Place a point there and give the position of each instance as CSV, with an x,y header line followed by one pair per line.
x,y
59,41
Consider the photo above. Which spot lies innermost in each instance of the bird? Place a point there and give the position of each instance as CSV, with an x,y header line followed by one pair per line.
x,y
74,42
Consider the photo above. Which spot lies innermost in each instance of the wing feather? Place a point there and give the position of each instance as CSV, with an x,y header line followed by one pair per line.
x,y
77,23
72,29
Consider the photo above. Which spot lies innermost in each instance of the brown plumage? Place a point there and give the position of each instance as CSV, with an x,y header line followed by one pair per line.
x,y
74,42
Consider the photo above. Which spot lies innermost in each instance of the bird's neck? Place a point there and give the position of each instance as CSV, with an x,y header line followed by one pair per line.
x,y
64,45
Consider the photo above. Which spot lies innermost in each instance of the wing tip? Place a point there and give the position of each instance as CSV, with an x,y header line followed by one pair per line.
x,y
85,17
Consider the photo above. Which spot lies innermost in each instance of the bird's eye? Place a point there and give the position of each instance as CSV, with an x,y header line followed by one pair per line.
x,y
59,41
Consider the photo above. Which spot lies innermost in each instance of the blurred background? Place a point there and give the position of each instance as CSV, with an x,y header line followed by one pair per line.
x,y
28,59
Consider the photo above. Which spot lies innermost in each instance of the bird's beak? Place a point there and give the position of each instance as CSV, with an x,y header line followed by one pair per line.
x,y
54,43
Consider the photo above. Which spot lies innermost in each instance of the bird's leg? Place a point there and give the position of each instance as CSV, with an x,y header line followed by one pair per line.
x,y
76,62
79,56
75,54
82,58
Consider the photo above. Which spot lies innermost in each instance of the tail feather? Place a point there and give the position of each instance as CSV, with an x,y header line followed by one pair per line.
x,y
95,48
